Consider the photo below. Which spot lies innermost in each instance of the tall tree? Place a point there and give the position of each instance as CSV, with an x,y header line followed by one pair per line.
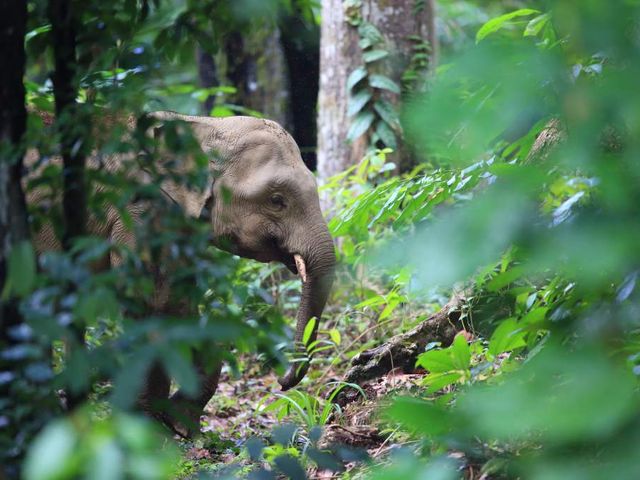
x,y
207,75
64,18
379,39
23,414
300,38
73,124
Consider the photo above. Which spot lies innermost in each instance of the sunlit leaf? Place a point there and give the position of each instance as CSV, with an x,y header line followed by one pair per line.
x,y
507,337
497,23
309,328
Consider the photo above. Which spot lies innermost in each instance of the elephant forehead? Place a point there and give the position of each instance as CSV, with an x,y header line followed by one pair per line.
x,y
266,145
270,176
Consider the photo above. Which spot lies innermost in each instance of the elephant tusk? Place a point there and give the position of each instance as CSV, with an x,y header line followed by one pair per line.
x,y
302,268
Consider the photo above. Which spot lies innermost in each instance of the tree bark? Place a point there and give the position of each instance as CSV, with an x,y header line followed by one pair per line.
x,y
238,66
17,429
340,54
13,213
13,114
255,66
73,125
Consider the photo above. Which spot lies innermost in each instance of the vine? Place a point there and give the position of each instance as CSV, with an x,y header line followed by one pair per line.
x,y
372,114
415,75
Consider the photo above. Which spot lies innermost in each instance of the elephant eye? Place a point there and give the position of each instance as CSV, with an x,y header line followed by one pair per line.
x,y
277,201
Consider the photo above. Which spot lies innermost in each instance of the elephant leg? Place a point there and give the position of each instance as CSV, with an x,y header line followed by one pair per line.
x,y
186,410
154,397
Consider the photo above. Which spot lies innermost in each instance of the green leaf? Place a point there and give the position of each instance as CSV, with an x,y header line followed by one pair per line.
x,y
365,43
387,112
387,135
290,466
535,26
461,353
220,111
374,55
308,330
503,279
360,125
537,315
21,270
96,304
497,23
37,31
384,83
356,76
108,461
421,416
507,337
335,336
436,361
358,101
370,32
552,395
437,381
51,453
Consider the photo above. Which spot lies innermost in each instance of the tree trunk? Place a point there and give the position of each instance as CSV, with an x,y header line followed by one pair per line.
x,y
401,23
238,66
73,126
339,56
254,64
208,76
13,213
301,47
17,390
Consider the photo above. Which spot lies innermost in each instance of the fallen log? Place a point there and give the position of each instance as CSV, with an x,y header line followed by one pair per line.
x,y
401,351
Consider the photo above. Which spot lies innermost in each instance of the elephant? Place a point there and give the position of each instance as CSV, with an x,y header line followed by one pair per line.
x,y
262,203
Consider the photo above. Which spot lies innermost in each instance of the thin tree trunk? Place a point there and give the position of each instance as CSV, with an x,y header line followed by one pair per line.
x,y
13,213
301,47
13,217
16,431
73,127
238,66
208,76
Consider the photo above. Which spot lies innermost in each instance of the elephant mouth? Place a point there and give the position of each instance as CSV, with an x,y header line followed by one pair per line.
x,y
293,261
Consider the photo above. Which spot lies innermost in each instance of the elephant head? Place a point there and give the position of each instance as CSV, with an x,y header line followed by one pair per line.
x,y
263,204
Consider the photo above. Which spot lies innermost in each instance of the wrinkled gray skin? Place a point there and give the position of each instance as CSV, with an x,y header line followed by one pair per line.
x,y
273,214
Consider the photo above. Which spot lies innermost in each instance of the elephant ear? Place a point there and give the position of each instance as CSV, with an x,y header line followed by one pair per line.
x,y
195,202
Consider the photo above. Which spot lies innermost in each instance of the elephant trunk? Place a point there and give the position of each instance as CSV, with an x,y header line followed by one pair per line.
x,y
316,268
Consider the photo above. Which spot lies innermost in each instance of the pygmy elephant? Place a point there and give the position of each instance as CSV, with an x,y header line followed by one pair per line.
x,y
262,203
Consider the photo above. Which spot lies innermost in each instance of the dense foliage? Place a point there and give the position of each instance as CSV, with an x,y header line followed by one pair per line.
x,y
525,201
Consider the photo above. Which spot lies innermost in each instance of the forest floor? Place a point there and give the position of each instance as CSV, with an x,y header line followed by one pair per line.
x,y
252,405
239,412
